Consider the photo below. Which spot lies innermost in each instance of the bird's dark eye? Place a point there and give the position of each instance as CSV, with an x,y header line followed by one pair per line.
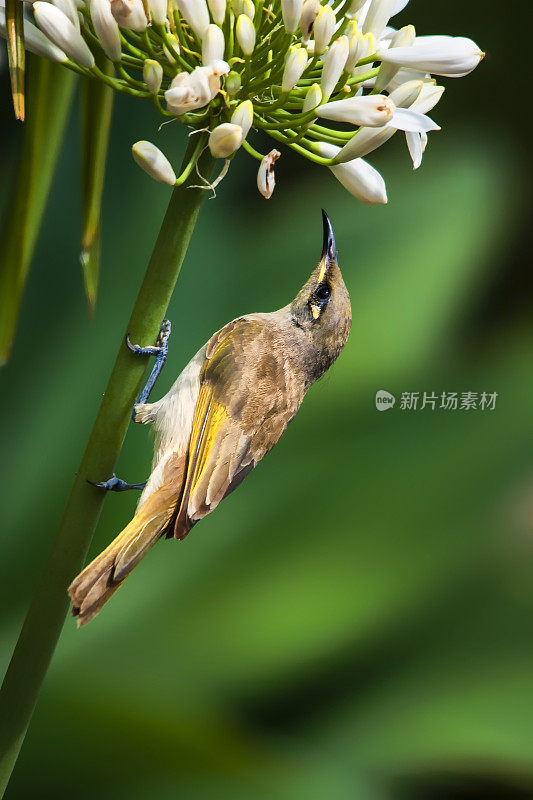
x,y
322,292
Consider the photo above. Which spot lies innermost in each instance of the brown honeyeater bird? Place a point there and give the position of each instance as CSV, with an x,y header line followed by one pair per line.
x,y
226,410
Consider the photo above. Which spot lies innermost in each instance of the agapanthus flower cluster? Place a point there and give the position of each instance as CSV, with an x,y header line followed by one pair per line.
x,y
333,81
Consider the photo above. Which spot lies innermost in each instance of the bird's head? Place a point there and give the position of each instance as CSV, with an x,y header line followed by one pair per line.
x,y
322,307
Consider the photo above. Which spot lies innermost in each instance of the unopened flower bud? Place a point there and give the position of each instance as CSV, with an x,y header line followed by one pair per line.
x,y
245,34
218,10
294,68
406,94
378,15
429,96
35,41
69,9
196,15
355,48
212,45
225,139
334,63
61,31
152,75
357,176
233,83
243,116
371,111
323,29
405,37
171,48
308,16
158,11
365,46
266,179
243,7
154,162
130,14
451,56
355,8
313,98
106,28
291,11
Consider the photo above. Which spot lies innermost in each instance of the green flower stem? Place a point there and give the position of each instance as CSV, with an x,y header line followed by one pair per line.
x,y
344,135
362,78
252,151
199,141
49,606
325,162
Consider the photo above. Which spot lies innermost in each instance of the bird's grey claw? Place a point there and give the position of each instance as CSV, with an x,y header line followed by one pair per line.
x,y
115,484
161,345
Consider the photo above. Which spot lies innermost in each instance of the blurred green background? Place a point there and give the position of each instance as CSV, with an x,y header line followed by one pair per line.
x,y
355,621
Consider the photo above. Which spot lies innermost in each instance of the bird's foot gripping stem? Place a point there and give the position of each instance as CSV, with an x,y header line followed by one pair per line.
x,y
115,484
160,351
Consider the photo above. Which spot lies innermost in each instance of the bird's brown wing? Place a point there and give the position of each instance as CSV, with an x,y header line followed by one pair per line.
x,y
248,395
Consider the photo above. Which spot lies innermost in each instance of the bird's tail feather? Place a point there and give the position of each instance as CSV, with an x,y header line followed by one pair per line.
x,y
101,578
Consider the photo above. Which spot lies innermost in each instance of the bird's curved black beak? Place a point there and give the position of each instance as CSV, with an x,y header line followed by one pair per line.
x,y
329,246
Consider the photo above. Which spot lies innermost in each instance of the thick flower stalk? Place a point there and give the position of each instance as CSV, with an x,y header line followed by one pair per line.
x,y
332,82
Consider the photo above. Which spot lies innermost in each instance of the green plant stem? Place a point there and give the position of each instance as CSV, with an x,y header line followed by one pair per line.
x,y
45,618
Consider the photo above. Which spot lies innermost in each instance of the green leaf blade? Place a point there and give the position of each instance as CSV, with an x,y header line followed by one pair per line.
x,y
96,114
16,54
50,90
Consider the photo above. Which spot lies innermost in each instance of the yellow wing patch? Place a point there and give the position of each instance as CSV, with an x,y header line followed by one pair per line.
x,y
209,417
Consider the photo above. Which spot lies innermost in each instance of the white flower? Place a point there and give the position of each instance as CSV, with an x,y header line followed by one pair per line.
x,y
334,64
245,32
212,45
266,179
377,17
243,116
366,140
405,37
375,111
243,7
158,11
294,67
196,15
323,29
355,8
366,46
106,28
152,74
291,11
196,89
154,162
450,56
288,59
69,9
35,41
371,110
312,98
358,177
428,98
218,10
62,33
416,143
310,10
225,139
130,14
